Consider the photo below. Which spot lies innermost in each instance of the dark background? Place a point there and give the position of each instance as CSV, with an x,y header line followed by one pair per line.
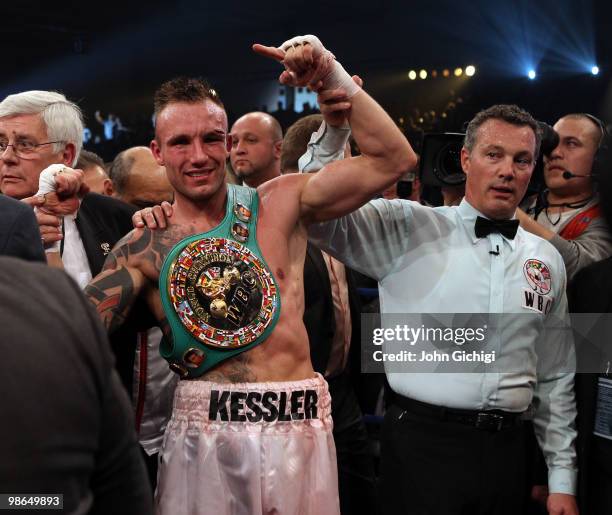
x,y
112,55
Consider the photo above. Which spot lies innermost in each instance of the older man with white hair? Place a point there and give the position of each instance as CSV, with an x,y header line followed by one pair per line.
x,y
41,128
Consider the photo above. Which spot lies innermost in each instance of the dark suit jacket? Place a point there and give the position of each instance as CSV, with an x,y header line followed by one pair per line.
x,y
102,221
320,325
19,234
319,309
319,316
68,425
589,292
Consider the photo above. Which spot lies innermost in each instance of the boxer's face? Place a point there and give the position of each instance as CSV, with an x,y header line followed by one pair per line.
x,y
19,173
499,167
192,143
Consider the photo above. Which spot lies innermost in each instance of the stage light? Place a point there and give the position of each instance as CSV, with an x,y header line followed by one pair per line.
x,y
470,70
445,72
531,74
434,73
458,72
412,75
595,70
423,74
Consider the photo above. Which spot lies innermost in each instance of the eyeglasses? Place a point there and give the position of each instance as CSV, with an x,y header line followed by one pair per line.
x,y
24,148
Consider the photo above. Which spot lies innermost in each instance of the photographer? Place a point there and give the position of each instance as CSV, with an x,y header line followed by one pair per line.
x,y
567,213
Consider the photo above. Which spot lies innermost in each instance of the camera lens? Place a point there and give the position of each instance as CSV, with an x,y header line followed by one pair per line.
x,y
447,165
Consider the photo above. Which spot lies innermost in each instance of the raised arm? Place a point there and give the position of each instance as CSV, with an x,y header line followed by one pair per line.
x,y
343,186
114,290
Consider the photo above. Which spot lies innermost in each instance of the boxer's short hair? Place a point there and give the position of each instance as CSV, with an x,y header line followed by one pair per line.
x,y
184,89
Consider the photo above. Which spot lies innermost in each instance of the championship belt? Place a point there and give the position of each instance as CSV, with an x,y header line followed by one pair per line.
x,y
218,294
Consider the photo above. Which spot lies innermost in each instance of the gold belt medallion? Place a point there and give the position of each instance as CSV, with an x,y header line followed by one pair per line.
x,y
222,292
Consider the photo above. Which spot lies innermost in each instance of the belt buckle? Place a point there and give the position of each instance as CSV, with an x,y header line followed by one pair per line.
x,y
489,421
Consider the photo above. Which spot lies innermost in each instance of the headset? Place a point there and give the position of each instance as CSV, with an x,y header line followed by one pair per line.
x,y
602,146
600,124
597,169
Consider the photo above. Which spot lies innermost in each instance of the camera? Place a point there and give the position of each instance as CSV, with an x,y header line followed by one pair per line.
x,y
441,159
440,163
550,140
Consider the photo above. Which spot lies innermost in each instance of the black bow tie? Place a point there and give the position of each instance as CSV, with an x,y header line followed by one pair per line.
x,y
484,226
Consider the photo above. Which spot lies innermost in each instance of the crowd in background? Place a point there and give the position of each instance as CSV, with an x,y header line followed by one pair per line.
x,y
118,165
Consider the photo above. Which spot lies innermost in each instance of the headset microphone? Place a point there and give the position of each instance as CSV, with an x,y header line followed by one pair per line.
x,y
569,175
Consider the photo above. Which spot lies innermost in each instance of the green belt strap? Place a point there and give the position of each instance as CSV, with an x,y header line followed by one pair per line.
x,y
185,344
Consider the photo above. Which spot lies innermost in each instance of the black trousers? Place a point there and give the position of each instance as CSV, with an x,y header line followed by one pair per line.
x,y
436,467
151,463
356,477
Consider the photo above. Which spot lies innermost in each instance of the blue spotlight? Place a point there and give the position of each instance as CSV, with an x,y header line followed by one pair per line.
x,y
531,74
595,70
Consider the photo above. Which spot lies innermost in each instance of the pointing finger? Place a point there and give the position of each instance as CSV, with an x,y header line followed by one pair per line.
x,y
269,51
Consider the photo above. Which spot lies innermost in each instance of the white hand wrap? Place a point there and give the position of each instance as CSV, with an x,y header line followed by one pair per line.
x,y
46,184
46,181
328,70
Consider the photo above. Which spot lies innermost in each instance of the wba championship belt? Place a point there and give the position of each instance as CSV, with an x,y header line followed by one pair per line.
x,y
219,297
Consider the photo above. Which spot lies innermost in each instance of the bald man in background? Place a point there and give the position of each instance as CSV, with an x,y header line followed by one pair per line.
x,y
257,139
138,179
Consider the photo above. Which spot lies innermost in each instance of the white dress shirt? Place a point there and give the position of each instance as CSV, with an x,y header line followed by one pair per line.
x,y
74,257
429,260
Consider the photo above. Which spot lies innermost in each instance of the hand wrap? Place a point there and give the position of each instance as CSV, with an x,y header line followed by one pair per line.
x,y
328,70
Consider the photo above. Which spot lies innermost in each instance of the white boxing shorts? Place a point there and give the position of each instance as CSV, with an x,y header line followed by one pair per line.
x,y
249,449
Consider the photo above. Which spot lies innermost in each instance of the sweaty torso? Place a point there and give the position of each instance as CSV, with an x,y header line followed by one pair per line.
x,y
285,354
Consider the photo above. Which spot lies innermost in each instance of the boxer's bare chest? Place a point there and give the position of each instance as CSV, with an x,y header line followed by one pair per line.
x,y
276,242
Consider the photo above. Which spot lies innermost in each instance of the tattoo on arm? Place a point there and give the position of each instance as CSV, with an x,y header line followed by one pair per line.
x,y
162,242
143,251
129,245
150,246
112,296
